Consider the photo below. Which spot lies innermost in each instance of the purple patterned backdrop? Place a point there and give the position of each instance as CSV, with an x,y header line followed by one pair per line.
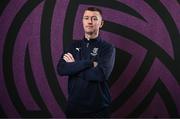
x,y
146,77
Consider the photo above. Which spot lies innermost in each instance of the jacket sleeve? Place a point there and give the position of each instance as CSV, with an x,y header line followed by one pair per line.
x,y
72,68
104,68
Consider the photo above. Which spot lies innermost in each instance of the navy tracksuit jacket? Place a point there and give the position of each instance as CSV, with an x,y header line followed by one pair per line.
x,y
88,90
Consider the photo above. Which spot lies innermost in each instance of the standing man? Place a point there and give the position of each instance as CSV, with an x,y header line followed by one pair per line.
x,y
88,63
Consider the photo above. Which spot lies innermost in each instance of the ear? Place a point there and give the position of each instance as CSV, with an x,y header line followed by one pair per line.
x,y
102,23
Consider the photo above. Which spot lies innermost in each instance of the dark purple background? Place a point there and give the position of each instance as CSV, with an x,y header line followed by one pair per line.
x,y
29,36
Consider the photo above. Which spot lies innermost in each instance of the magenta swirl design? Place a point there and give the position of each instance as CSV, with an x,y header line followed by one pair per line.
x,y
144,82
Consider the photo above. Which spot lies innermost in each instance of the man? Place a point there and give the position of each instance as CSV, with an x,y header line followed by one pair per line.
x,y
88,63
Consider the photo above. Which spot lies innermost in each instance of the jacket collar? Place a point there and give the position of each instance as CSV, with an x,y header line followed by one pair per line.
x,y
92,40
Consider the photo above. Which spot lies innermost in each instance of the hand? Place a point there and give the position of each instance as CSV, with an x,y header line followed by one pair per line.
x,y
68,57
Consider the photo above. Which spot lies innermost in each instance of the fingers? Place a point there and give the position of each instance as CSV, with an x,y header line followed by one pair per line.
x,y
95,64
65,58
68,57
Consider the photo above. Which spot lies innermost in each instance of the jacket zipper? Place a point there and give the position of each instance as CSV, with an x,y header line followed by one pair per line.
x,y
87,45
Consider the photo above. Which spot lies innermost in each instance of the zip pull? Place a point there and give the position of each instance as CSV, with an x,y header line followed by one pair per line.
x,y
87,45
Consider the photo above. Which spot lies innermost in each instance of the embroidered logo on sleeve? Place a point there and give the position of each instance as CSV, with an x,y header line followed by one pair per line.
x,y
94,51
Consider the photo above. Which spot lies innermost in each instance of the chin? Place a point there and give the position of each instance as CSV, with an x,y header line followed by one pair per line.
x,y
89,32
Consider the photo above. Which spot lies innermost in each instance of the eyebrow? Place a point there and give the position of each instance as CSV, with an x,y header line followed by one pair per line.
x,y
89,16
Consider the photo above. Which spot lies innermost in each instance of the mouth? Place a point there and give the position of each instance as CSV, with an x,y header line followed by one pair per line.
x,y
89,26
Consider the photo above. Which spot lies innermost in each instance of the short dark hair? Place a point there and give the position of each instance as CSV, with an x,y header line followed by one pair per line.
x,y
94,9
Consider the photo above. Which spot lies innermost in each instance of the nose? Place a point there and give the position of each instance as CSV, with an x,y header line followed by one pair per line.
x,y
90,20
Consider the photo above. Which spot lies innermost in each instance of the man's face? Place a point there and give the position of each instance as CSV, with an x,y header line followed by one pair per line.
x,y
92,21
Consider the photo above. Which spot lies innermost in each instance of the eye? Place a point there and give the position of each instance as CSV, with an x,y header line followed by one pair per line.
x,y
94,18
85,18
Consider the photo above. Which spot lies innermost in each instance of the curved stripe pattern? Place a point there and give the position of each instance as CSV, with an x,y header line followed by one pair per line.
x,y
3,5
33,87
173,33
7,57
124,57
46,53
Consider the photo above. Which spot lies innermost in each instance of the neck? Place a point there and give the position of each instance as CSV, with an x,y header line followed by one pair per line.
x,y
91,36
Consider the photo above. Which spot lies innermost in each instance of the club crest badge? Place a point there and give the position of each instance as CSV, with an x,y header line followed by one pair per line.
x,y
94,51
